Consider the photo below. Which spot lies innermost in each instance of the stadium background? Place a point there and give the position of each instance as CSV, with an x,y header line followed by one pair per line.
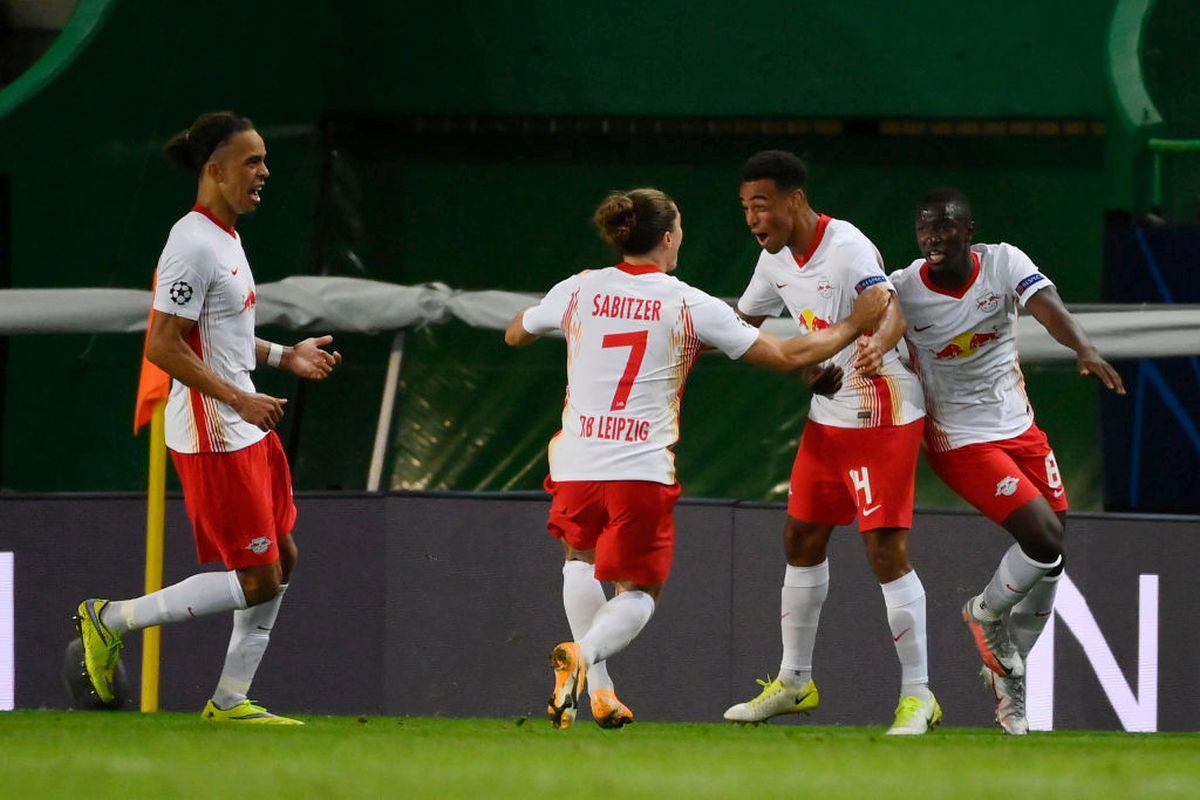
x,y
463,144
467,144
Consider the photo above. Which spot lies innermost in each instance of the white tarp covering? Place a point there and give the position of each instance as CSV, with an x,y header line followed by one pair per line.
x,y
333,305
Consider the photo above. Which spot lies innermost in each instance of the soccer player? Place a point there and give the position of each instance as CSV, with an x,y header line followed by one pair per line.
x,y
858,453
235,477
633,333
961,300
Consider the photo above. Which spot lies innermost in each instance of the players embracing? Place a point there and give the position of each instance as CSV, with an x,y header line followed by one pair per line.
x,y
633,333
961,300
858,452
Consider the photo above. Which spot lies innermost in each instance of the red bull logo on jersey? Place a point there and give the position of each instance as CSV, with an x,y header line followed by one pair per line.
x,y
811,322
250,300
987,302
966,344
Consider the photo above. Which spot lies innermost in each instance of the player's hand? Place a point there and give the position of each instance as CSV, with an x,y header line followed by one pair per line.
x,y
308,360
869,358
824,380
259,409
869,308
1089,362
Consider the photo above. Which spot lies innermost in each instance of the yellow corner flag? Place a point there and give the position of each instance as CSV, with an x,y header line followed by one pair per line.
x,y
154,386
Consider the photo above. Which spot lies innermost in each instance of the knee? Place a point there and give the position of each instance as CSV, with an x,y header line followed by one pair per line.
x,y
260,586
888,556
1045,542
801,543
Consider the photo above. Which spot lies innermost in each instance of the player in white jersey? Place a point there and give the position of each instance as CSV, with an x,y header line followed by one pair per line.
x,y
858,453
633,333
961,300
235,477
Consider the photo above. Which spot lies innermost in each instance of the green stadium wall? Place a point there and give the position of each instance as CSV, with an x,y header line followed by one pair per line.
x,y
92,200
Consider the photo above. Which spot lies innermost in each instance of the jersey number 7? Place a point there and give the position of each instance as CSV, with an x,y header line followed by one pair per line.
x,y
636,342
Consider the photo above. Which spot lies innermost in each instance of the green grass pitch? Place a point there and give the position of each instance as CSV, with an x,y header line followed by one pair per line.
x,y
100,755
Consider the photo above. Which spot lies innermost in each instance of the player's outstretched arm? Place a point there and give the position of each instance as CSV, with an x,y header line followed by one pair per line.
x,y
305,359
1048,309
516,335
167,348
803,351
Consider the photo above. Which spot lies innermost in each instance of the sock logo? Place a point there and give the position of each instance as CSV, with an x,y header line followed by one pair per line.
x,y
897,638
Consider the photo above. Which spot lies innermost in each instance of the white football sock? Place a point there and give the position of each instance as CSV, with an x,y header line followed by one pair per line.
x,y
197,596
804,592
905,601
251,634
1029,616
583,596
616,625
1013,579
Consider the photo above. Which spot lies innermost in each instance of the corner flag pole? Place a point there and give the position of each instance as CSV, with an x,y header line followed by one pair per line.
x,y
156,512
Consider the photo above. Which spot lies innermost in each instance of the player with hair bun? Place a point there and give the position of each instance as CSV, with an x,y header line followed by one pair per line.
x,y
633,333
220,431
981,438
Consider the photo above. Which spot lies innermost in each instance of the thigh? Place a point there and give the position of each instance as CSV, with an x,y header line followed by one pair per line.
x,y
283,504
229,500
1031,452
577,512
878,466
986,477
639,541
816,493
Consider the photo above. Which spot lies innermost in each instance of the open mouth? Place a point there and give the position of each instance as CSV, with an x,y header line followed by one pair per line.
x,y
256,193
935,256
762,238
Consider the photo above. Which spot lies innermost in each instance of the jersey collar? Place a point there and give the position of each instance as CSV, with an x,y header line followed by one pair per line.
x,y
956,294
637,269
208,213
822,223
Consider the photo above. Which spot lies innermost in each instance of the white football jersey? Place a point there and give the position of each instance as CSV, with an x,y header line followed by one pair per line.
x,y
964,346
203,275
633,333
819,289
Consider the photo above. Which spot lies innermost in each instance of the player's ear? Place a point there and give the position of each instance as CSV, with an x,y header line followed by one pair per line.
x,y
213,170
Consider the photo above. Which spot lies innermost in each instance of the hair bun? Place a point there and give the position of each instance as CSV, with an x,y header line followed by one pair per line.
x,y
616,218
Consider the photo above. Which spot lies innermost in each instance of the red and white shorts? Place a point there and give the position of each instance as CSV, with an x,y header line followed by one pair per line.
x,y
240,503
631,525
841,473
1000,477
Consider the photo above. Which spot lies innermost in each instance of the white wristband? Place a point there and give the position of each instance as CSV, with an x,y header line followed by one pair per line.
x,y
274,355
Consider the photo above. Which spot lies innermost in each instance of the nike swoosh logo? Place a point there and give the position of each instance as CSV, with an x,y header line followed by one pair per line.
x,y
780,285
897,638
918,329
235,271
869,511
1011,588
1059,493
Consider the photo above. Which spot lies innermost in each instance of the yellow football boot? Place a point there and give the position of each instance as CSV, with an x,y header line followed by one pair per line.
x,y
776,699
101,648
246,712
